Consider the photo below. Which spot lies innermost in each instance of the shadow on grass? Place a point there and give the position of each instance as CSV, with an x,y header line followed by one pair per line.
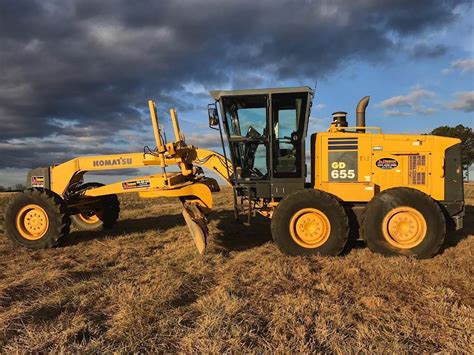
x,y
454,238
231,235
126,226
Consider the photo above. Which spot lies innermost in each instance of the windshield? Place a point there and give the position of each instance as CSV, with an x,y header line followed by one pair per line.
x,y
246,120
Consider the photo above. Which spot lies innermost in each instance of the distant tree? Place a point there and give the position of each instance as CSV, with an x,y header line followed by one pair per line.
x,y
466,135
2,188
19,187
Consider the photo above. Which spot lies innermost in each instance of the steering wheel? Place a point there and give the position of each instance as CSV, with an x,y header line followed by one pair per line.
x,y
252,133
294,137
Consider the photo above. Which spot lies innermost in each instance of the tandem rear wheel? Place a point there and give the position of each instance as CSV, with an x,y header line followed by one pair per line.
x,y
310,222
103,214
403,221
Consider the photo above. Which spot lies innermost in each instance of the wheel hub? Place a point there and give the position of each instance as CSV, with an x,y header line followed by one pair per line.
x,y
310,228
89,217
32,222
404,227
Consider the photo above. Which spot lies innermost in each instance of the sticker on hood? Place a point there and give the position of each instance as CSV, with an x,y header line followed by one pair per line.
x,y
386,163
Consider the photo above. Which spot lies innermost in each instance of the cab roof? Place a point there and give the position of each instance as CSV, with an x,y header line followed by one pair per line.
x,y
217,94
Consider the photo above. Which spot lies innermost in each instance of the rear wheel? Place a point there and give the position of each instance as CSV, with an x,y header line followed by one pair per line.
x,y
104,214
403,221
36,218
310,222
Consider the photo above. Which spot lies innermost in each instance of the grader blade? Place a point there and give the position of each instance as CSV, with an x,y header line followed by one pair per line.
x,y
196,223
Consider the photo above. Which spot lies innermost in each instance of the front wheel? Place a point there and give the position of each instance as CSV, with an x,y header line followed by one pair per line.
x,y
36,218
403,221
310,222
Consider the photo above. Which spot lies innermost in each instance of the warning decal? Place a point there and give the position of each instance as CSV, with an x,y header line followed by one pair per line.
x,y
386,163
37,181
137,184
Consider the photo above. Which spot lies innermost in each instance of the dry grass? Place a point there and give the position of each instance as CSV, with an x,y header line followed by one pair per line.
x,y
142,287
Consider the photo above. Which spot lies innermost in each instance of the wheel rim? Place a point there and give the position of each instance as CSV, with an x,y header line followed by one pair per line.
x,y
32,222
404,227
310,228
89,217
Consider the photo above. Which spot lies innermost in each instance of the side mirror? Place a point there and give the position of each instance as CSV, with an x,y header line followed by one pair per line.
x,y
213,116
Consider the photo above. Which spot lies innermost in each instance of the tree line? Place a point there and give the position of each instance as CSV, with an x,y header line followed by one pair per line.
x,y
466,135
16,187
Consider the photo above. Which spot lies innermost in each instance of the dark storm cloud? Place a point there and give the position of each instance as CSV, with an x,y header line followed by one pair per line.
x,y
426,50
96,62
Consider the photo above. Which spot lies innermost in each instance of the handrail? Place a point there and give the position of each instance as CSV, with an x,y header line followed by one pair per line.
x,y
355,128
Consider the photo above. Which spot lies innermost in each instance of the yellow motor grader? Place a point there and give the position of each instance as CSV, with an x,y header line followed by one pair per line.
x,y
399,193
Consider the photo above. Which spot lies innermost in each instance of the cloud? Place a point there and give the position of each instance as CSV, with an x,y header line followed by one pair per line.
x,y
411,101
463,65
209,140
396,113
464,102
423,50
76,71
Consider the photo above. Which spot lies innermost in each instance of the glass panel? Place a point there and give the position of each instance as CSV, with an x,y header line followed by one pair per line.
x,y
246,122
252,158
286,157
288,122
246,116
249,118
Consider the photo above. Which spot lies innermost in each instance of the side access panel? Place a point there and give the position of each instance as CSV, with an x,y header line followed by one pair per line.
x,y
453,179
342,166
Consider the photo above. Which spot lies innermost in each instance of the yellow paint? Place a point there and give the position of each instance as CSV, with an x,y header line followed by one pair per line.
x,y
404,227
196,192
155,124
90,219
375,146
174,120
32,222
355,192
198,234
159,181
353,129
63,174
310,228
214,162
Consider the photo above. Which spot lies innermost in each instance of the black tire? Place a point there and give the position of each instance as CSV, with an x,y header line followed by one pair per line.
x,y
107,212
295,203
382,205
55,210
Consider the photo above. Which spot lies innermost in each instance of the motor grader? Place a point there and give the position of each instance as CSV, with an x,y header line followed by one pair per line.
x,y
399,193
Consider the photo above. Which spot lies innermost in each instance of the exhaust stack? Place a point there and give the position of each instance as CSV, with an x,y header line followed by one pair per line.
x,y
360,113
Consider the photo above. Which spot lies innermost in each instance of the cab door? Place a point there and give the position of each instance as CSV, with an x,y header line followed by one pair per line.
x,y
288,133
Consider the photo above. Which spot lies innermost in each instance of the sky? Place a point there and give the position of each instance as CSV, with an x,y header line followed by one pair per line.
x,y
76,75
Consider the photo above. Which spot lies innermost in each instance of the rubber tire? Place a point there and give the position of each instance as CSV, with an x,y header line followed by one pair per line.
x,y
323,201
111,210
59,221
384,202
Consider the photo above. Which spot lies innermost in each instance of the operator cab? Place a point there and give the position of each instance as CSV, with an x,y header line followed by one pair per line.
x,y
266,131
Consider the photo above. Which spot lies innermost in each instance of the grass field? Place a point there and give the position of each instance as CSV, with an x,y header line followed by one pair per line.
x,y
142,287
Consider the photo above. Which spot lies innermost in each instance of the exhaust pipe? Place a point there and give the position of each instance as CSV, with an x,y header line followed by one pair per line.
x,y
360,113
